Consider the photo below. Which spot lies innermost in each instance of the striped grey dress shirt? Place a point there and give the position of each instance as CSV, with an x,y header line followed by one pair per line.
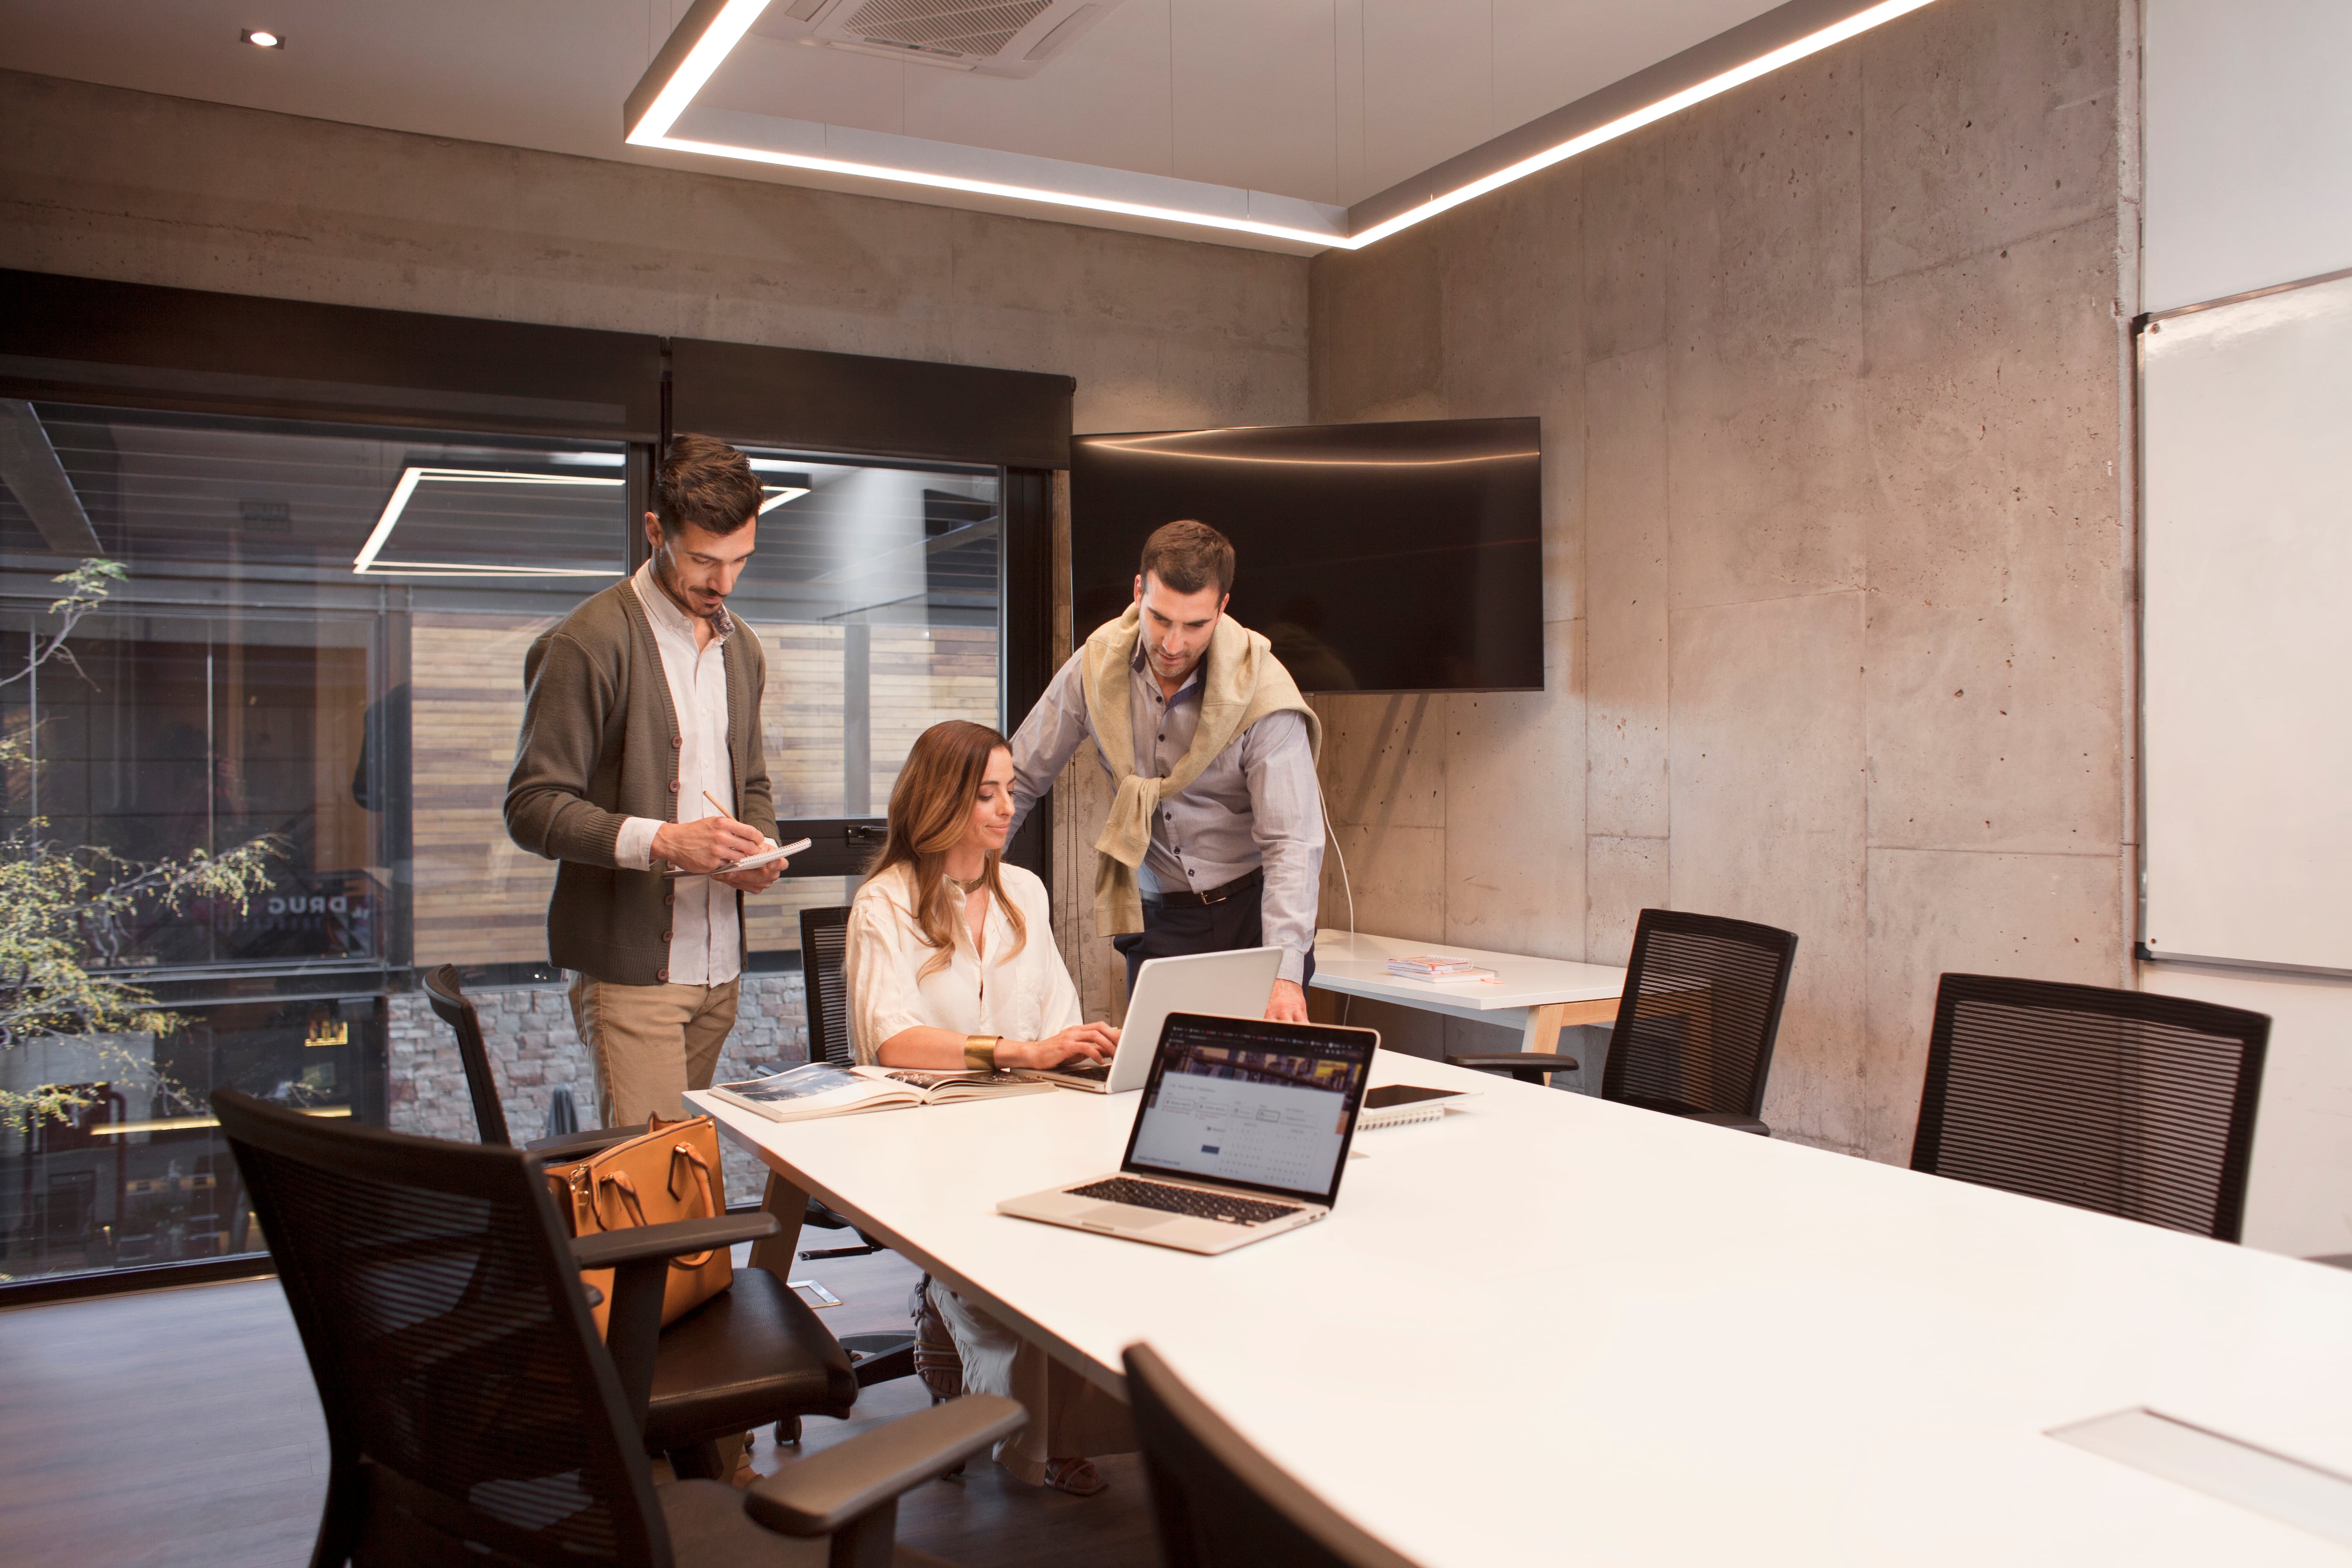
x,y
1256,804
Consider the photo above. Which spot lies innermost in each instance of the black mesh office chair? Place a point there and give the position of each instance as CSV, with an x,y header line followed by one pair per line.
x,y
824,954
446,991
825,948
2130,1103
1216,1501
754,1355
472,1416
1697,1024
824,986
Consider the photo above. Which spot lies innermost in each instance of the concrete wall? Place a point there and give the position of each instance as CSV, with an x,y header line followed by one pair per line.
x,y
1837,573
106,183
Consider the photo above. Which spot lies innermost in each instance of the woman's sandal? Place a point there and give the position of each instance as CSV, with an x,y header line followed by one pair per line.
x,y
1077,1477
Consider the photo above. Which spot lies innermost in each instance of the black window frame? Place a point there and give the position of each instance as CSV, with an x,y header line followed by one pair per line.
x,y
102,344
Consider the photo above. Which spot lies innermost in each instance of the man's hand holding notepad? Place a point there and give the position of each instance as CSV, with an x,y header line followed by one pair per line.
x,y
752,862
748,862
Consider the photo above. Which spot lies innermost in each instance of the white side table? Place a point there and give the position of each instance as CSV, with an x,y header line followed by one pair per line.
x,y
1537,996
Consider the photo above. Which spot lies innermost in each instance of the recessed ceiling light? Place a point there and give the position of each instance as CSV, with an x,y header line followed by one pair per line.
x,y
262,39
368,562
712,28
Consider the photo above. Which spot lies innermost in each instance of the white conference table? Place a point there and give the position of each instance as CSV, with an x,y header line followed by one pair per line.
x,y
1537,996
1551,1328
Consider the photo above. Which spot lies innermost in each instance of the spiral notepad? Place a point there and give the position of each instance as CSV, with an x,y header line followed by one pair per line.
x,y
1400,1104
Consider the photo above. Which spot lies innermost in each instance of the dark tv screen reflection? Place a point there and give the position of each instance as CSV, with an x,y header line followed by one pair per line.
x,y
1404,557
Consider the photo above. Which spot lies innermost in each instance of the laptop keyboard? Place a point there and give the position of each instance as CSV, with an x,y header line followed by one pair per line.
x,y
1189,1201
1088,1070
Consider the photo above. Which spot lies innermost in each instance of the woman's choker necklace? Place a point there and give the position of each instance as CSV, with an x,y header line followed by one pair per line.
x,y
968,889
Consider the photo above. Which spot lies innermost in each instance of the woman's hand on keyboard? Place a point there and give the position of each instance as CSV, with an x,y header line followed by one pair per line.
x,y
1080,1042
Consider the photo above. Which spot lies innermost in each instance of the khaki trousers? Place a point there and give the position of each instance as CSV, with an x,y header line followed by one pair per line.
x,y
651,1043
1069,1419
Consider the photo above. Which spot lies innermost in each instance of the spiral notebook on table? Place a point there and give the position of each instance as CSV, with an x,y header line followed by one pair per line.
x,y
1397,1104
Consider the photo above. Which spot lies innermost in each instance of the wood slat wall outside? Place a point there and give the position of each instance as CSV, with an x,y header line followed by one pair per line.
x,y
919,680
481,900
478,897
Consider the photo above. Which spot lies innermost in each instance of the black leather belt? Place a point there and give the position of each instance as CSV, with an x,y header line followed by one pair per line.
x,y
1232,889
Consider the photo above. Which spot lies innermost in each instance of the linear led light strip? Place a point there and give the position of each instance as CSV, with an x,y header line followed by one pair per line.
x,y
695,52
1142,445
364,563
1762,65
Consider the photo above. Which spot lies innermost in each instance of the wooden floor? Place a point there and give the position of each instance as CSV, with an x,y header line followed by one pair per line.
x,y
179,1429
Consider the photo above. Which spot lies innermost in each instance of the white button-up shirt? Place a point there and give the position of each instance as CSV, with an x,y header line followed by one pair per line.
x,y
705,945
1023,995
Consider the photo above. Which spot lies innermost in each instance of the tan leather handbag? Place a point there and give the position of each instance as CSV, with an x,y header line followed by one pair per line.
x,y
669,1172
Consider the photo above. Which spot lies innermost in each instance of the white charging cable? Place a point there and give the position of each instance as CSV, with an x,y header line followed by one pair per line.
x,y
1346,1002
1334,839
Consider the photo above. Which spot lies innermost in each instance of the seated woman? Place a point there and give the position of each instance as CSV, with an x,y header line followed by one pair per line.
x,y
951,964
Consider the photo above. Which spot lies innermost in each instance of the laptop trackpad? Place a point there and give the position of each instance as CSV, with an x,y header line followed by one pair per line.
x,y
1122,1216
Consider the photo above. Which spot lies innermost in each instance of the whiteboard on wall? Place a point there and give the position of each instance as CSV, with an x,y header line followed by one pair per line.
x,y
2246,430
2246,131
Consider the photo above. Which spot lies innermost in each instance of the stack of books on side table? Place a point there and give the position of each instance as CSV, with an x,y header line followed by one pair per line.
x,y
1440,970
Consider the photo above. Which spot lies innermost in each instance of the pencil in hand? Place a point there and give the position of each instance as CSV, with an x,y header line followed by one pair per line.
x,y
728,815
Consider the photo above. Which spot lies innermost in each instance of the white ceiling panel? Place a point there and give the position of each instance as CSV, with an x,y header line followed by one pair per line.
x,y
526,73
769,75
1547,54
1256,104
1428,86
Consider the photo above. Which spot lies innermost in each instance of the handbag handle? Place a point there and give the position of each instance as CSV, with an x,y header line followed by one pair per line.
x,y
620,1181
686,1154
628,1189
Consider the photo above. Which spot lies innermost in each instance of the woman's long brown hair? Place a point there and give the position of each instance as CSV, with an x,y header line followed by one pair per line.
x,y
931,807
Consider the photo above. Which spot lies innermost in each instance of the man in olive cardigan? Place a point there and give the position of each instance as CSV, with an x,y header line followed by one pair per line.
x,y
641,754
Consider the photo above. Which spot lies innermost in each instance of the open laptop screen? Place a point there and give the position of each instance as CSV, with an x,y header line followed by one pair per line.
x,y
1247,1103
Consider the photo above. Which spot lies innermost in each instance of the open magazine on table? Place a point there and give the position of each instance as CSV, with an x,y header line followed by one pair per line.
x,y
819,1088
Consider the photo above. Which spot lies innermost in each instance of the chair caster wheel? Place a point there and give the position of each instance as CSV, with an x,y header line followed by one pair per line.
x,y
787,1431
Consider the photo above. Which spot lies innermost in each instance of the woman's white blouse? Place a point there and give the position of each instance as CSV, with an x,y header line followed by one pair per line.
x,y
1025,997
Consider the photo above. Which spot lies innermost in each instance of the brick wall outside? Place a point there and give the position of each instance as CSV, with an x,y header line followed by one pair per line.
x,y
534,1049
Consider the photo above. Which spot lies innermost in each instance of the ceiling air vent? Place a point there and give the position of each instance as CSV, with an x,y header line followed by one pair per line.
x,y
993,38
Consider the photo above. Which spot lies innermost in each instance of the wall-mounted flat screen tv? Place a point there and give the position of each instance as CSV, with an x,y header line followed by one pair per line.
x,y
1402,557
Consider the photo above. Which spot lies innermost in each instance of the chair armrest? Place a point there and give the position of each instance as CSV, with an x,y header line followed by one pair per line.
x,y
575,1145
825,1492
1514,1061
639,1258
1730,1119
611,1249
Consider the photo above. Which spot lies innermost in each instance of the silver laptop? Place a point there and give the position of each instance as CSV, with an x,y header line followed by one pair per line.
x,y
1237,983
1242,1133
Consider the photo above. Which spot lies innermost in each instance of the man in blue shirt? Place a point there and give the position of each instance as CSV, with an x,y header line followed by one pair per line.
x,y
1216,835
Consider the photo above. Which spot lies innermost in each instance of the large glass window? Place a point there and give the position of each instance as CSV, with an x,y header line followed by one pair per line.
x,y
318,645
874,594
